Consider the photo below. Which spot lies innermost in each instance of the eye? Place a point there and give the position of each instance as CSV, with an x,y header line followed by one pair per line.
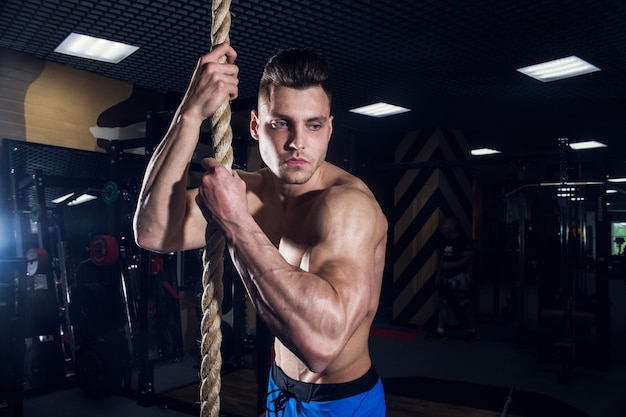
x,y
278,124
315,126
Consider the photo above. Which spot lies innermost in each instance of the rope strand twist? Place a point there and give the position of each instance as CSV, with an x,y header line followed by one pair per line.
x,y
213,256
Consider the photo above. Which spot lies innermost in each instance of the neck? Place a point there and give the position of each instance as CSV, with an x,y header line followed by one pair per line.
x,y
288,192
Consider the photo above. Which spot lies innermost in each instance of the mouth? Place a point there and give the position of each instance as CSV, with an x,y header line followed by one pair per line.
x,y
295,162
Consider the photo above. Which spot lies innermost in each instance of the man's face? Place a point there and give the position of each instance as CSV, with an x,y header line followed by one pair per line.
x,y
293,128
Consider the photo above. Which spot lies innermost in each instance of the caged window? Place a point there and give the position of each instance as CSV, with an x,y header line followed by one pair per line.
x,y
618,238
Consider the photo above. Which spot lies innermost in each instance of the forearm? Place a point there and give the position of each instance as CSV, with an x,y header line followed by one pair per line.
x,y
162,204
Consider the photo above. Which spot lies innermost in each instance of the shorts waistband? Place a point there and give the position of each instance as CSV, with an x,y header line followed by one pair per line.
x,y
307,392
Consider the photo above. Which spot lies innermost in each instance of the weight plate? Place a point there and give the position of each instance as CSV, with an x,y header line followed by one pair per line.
x,y
110,192
99,368
37,261
104,250
35,213
44,365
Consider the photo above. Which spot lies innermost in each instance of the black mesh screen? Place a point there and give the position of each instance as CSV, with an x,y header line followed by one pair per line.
x,y
57,171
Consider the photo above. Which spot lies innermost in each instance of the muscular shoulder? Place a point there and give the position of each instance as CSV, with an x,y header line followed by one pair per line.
x,y
252,179
350,201
346,187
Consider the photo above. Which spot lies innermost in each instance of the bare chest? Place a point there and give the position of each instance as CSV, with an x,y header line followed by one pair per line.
x,y
293,233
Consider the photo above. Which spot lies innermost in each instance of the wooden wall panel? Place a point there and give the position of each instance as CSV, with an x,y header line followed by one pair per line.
x,y
17,72
63,103
57,105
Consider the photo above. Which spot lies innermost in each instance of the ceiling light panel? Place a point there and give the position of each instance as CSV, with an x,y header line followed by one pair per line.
x,y
484,151
559,69
98,49
380,110
83,198
590,144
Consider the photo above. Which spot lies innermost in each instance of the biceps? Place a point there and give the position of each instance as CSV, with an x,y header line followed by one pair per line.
x,y
348,253
350,272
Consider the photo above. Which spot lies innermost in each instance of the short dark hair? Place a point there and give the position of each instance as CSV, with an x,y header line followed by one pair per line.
x,y
297,68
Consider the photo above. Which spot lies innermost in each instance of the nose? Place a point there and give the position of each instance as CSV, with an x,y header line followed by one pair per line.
x,y
296,138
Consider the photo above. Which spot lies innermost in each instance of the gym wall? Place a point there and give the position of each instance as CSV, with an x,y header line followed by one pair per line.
x,y
52,104
423,197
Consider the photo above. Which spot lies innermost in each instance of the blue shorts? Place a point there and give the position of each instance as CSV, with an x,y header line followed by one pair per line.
x,y
287,397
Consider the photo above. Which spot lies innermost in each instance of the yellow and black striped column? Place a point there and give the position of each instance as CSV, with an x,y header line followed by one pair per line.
x,y
435,184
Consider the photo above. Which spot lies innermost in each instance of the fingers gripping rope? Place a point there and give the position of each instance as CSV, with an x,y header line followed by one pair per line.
x,y
213,257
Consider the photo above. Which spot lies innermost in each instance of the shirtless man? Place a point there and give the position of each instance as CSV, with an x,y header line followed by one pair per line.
x,y
307,238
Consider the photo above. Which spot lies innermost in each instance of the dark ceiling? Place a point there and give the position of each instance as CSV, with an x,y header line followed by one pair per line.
x,y
451,61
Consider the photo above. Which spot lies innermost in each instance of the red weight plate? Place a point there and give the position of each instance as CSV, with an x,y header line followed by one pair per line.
x,y
104,250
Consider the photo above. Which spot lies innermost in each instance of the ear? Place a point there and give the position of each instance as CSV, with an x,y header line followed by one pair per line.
x,y
254,124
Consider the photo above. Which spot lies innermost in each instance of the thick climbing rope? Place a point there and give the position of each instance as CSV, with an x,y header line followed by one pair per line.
x,y
213,257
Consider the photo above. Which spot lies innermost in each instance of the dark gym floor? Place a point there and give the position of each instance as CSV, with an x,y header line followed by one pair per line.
x,y
496,359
